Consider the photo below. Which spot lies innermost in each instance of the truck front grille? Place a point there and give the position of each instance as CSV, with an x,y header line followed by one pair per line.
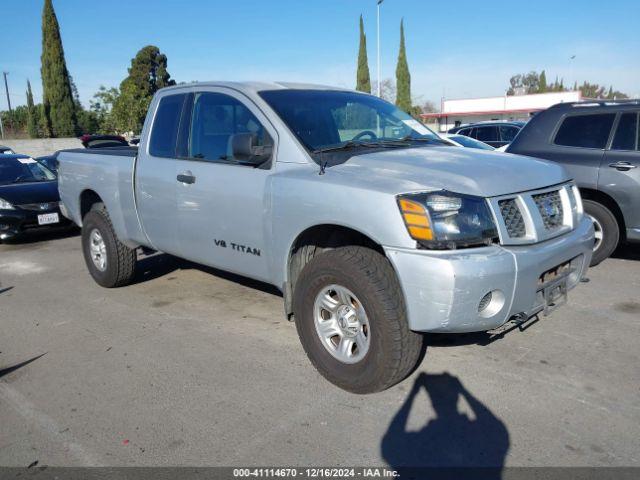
x,y
550,207
531,217
512,218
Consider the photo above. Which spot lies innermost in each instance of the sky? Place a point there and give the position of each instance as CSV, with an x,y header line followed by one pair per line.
x,y
461,49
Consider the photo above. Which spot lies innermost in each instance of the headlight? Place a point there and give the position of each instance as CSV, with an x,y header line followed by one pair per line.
x,y
445,220
4,205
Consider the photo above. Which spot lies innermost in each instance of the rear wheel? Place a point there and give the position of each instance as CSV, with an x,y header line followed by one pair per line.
x,y
351,319
109,261
607,231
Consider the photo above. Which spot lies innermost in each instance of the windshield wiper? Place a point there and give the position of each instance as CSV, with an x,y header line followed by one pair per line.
x,y
350,144
345,146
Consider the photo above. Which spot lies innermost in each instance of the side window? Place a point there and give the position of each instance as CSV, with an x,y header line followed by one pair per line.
x,y
464,131
626,137
487,134
214,119
587,131
508,133
164,130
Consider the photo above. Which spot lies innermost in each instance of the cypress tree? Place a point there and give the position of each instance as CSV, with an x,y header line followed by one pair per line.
x,y
363,81
147,74
59,112
32,117
403,78
542,82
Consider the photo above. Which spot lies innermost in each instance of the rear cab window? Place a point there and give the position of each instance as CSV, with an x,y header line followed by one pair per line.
x,y
585,131
164,131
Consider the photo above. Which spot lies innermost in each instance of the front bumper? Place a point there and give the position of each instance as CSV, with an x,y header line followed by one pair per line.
x,y
16,222
443,289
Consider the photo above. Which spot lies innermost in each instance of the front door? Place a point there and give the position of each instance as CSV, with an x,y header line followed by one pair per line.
x,y
222,204
620,169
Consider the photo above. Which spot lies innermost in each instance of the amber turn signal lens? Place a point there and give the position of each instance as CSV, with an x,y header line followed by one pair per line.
x,y
416,220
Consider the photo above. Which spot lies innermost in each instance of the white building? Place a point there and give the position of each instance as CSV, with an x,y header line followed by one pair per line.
x,y
513,107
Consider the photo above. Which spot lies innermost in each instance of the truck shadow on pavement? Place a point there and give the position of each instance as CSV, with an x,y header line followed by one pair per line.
x,y
160,264
451,445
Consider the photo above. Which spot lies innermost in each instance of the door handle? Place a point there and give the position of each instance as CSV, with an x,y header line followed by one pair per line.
x,y
186,177
622,166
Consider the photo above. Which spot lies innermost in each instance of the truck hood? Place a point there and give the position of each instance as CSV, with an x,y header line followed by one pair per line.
x,y
457,169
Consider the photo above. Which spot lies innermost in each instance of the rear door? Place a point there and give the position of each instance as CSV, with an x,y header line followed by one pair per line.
x,y
155,174
620,169
223,204
579,143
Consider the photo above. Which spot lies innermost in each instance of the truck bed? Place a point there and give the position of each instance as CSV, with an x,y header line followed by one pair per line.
x,y
107,173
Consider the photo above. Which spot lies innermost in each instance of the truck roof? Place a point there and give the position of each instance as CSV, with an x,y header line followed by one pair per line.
x,y
260,86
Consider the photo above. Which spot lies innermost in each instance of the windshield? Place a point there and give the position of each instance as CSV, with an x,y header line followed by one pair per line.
x,y
323,119
22,170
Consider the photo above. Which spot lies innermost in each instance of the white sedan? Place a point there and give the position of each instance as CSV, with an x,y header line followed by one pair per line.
x,y
464,141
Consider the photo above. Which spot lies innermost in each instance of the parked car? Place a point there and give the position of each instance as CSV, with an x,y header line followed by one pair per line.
x,y
29,197
496,134
463,141
5,150
50,161
373,227
598,143
88,141
102,141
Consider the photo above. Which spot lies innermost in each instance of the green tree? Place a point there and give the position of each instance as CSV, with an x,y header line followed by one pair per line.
x,y
403,77
102,106
147,74
32,114
542,82
363,79
59,113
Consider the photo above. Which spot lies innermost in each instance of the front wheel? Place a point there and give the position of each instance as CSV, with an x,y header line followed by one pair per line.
x,y
607,232
109,261
351,319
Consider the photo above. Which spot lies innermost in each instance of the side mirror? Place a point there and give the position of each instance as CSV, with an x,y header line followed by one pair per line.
x,y
244,149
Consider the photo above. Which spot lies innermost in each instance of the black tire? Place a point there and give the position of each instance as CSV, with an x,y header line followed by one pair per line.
x,y
120,259
610,230
394,350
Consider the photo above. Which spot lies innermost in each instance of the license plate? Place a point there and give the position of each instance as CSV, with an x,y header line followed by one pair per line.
x,y
48,218
555,295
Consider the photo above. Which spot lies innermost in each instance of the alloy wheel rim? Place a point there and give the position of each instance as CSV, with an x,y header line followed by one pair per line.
x,y
341,324
598,233
98,250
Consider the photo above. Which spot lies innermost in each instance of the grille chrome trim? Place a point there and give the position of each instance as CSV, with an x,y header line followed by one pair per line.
x,y
546,213
39,207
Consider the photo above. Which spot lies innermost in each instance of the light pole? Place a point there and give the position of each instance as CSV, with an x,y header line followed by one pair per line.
x,y
6,88
378,39
571,59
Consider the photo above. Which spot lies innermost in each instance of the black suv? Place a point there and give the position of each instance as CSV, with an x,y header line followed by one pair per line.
x,y
598,142
496,134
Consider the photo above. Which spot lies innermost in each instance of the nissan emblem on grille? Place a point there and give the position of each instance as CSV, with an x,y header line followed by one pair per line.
x,y
550,207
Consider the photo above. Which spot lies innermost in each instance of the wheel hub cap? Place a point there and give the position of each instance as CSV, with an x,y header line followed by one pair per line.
x,y
98,250
341,324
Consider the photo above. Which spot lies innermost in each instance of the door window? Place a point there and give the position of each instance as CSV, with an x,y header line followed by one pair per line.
x,y
626,137
165,126
508,133
487,134
587,131
214,119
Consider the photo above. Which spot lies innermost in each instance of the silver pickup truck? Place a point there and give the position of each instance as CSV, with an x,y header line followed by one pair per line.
x,y
373,227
